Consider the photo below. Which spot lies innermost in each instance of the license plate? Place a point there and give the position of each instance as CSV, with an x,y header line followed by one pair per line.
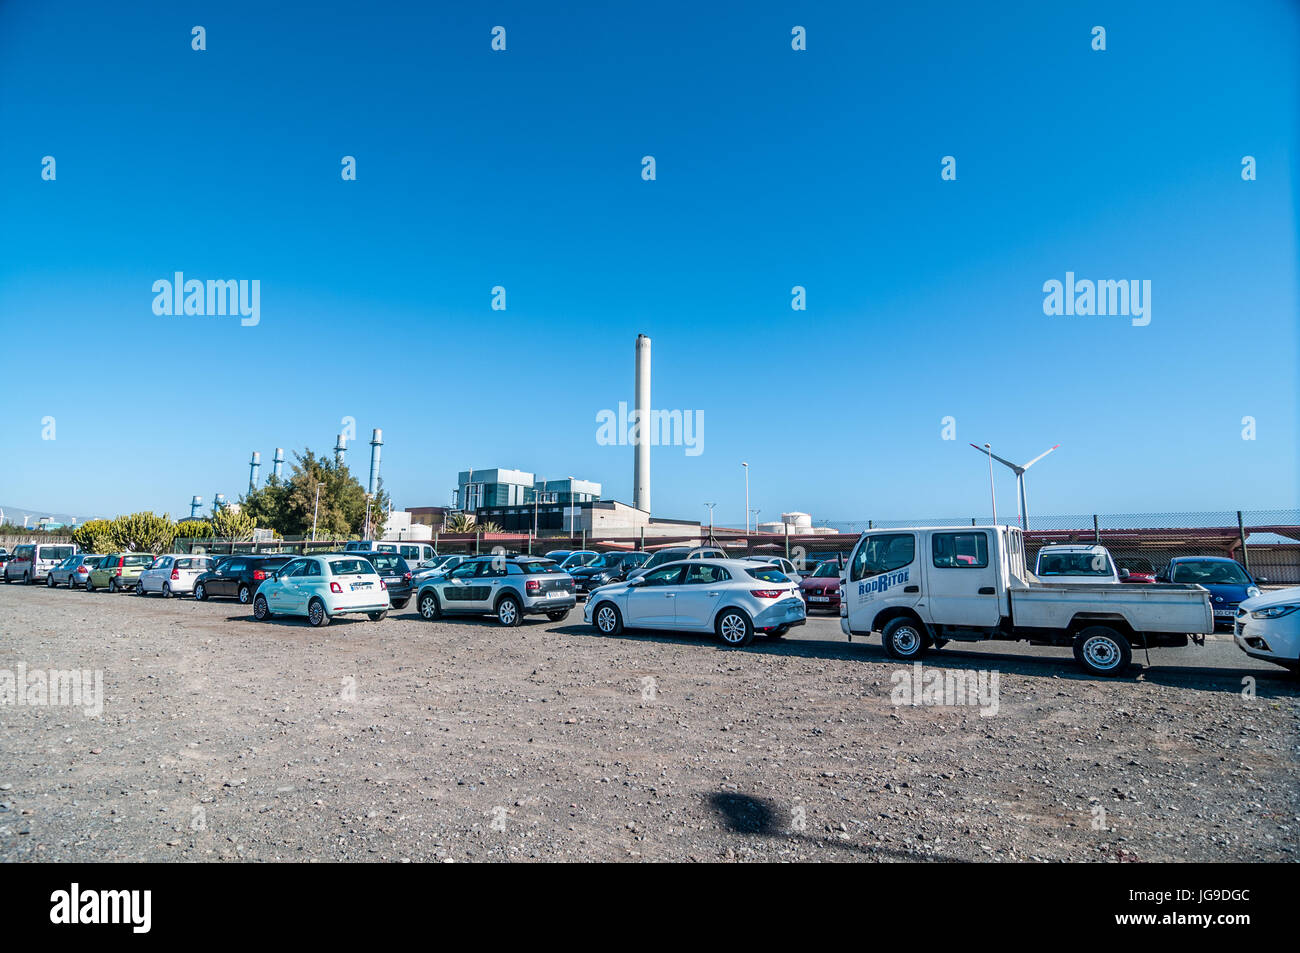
x,y
392,579
361,585
1225,613
558,593
819,598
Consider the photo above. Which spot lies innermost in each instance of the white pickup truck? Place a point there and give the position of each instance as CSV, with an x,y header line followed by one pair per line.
x,y
925,586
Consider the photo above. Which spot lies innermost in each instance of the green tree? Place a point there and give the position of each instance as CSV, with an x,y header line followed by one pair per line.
x,y
229,523
144,532
193,529
95,536
288,506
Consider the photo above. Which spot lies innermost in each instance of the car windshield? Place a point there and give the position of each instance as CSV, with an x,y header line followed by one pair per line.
x,y
767,574
827,569
385,562
1073,564
1210,571
351,567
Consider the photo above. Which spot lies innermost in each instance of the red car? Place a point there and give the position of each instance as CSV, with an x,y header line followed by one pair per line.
x,y
821,590
1139,569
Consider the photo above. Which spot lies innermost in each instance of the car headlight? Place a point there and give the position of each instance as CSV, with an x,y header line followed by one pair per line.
x,y
1274,612
1252,592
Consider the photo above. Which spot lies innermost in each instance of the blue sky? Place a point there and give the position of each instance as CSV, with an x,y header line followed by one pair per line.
x,y
775,168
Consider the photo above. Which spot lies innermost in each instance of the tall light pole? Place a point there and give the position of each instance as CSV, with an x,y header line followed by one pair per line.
x,y
315,512
746,466
992,491
710,506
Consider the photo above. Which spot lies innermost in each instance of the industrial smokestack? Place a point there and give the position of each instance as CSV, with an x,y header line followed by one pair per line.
x,y
278,463
641,418
340,447
376,441
219,501
196,504
253,466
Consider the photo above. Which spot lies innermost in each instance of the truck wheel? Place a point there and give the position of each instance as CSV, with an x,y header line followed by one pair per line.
x,y
1102,651
903,638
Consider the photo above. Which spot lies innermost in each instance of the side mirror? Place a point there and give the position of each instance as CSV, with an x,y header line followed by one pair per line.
x,y
637,581
1162,578
1124,574
1261,581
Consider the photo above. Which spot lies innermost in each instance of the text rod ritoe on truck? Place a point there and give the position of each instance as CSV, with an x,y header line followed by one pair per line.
x,y
921,588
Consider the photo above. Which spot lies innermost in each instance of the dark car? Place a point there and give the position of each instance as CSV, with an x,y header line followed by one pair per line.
x,y
237,577
609,568
395,572
1225,578
821,590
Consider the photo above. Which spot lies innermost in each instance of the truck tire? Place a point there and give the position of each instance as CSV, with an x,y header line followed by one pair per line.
x,y
904,638
1102,651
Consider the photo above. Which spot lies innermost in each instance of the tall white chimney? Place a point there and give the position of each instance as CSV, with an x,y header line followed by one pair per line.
x,y
376,441
340,448
641,425
278,468
253,466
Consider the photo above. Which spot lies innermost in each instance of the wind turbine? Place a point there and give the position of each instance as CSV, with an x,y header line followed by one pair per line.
x,y
1019,471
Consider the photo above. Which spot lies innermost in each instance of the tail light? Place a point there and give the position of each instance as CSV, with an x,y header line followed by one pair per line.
x,y
533,585
766,593
382,584
335,587
407,577
258,574
118,573
176,574
82,569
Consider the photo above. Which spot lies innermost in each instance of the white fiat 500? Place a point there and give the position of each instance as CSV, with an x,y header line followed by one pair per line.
x,y
321,586
732,598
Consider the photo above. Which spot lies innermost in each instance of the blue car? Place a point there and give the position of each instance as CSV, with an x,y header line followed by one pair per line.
x,y
1227,581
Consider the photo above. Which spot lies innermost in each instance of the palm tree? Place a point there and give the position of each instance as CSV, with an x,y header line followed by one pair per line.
x,y
461,523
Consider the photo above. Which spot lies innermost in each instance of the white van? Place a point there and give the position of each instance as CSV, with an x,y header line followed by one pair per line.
x,y
32,562
413,552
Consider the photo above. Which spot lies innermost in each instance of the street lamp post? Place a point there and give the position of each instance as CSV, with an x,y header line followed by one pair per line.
x,y
746,466
710,506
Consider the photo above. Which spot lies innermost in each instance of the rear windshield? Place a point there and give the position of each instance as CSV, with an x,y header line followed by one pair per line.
x,y
664,556
1073,564
351,567
138,560
767,574
533,567
387,562
55,552
191,563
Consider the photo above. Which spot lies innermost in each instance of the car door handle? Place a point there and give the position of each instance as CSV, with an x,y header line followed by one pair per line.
x,y
715,593
911,588
670,595
987,590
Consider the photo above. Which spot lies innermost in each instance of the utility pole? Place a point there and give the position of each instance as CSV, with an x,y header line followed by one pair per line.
x,y
746,466
315,513
710,506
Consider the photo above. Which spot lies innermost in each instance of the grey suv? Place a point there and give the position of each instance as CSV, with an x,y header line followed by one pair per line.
x,y
508,587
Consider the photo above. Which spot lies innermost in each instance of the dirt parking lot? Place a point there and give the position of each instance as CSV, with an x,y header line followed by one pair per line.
x,y
226,739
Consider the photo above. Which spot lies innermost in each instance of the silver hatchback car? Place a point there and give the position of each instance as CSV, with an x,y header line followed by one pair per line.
x,y
508,587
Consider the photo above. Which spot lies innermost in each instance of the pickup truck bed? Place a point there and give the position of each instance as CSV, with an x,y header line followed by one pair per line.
x,y
1181,609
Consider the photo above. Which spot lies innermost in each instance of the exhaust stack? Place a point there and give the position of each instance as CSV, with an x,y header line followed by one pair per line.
x,y
278,463
340,448
641,425
376,441
254,465
196,504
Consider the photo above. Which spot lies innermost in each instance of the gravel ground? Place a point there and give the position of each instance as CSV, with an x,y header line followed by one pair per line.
x,y
225,739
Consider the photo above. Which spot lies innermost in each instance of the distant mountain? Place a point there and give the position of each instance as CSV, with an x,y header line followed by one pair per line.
x,y
16,515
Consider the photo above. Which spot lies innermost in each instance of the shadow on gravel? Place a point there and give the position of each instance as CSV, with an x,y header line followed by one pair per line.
x,y
756,816
299,622
1268,684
